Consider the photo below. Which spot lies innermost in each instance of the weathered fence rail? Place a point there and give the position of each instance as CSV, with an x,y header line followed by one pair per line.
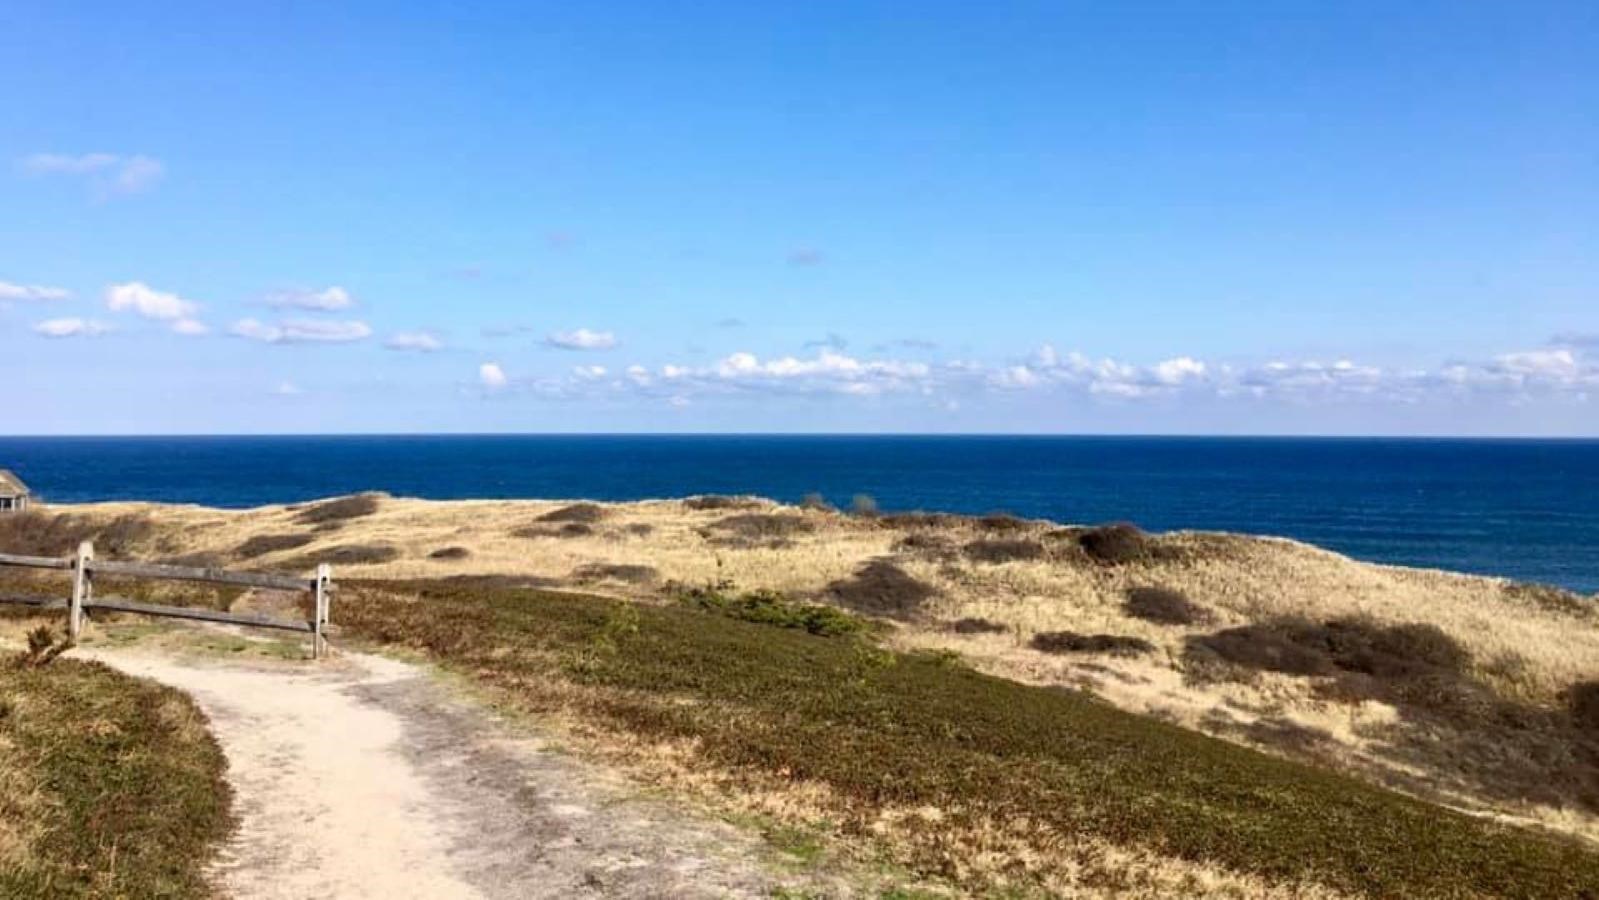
x,y
84,567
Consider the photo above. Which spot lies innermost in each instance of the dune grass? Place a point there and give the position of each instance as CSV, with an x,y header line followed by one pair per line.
x,y
871,730
1534,647
110,786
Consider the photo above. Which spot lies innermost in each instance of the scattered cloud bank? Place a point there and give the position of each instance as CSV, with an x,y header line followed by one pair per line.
x,y
1557,372
25,293
414,342
301,331
581,339
161,306
71,327
329,299
106,173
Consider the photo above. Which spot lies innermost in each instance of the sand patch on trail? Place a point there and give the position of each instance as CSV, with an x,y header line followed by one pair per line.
x,y
364,778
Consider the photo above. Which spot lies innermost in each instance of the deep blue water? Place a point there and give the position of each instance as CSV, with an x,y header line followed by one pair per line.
x,y
1526,509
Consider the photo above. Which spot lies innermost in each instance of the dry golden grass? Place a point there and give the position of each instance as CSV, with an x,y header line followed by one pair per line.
x,y
1526,646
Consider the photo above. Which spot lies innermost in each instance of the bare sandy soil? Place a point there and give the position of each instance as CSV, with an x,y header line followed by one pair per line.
x,y
365,778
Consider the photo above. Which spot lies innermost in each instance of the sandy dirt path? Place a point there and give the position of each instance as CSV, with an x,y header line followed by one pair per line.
x,y
366,778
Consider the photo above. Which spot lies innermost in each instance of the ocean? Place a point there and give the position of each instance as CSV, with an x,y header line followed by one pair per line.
x,y
1527,509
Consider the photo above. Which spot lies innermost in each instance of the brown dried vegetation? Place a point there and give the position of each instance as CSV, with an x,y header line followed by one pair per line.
x,y
340,509
262,544
1002,550
1072,642
881,588
1164,606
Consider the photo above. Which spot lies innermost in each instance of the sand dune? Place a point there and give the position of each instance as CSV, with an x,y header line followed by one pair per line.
x,y
1484,729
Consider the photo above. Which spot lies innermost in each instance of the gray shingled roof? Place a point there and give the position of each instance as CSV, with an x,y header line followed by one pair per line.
x,y
11,485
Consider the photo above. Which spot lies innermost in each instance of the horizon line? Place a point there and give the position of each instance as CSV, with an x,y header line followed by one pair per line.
x,y
815,434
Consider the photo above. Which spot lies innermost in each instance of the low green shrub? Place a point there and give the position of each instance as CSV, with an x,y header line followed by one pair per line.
x,y
772,608
875,730
113,786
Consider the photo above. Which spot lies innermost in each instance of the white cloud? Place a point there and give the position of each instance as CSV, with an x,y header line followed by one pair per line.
x,y
287,389
1018,377
491,376
140,298
1179,370
1556,363
107,173
301,331
31,292
329,299
1568,373
414,341
190,328
139,173
71,327
582,339
67,164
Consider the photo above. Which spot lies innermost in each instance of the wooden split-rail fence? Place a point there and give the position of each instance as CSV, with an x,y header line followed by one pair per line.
x,y
84,567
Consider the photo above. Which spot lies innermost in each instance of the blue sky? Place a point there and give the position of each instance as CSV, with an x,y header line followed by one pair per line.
x,y
1357,218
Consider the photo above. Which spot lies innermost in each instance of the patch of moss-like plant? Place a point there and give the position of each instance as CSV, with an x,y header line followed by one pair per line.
x,y
875,731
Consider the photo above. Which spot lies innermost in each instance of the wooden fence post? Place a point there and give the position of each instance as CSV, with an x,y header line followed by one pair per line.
x,y
319,645
82,588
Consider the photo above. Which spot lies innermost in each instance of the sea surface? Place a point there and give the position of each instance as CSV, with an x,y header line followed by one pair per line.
x,y
1528,509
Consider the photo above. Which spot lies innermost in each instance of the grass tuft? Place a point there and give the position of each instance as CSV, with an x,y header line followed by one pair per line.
x,y
38,533
764,525
262,544
975,625
566,530
881,588
722,501
1116,544
348,555
1003,550
772,608
339,510
625,572
1072,642
1582,702
586,513
1164,606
